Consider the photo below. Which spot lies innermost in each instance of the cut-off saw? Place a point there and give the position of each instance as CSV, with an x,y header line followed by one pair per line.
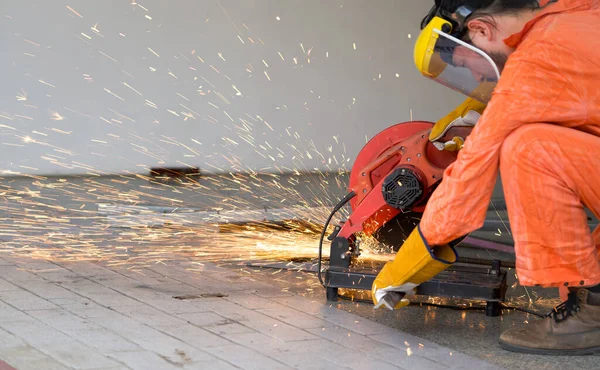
x,y
390,183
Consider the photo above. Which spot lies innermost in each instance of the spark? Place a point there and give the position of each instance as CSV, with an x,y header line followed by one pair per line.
x,y
222,98
56,117
113,94
77,14
228,17
183,97
137,92
221,56
128,74
29,168
153,52
148,17
238,93
46,83
61,131
86,36
501,218
354,46
278,18
280,55
266,74
31,42
108,56
22,96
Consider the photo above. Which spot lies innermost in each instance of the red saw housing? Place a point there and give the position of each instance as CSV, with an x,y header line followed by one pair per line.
x,y
395,172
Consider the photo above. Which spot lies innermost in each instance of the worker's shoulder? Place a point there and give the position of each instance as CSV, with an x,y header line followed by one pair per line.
x,y
563,38
576,29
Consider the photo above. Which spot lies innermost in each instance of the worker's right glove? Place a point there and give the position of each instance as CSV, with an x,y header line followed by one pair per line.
x,y
465,115
415,263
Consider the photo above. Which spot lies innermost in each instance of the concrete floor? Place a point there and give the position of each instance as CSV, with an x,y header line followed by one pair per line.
x,y
58,220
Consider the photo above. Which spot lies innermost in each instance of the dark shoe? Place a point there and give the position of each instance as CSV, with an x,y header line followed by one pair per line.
x,y
572,328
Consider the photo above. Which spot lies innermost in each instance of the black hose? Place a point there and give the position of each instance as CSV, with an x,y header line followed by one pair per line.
x,y
337,207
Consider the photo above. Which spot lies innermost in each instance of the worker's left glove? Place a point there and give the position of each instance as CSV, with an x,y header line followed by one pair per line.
x,y
415,263
465,115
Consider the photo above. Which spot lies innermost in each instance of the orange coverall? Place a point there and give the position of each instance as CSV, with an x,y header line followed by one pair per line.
x,y
541,130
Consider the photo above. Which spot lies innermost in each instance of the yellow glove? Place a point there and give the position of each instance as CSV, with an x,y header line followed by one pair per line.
x,y
414,264
465,115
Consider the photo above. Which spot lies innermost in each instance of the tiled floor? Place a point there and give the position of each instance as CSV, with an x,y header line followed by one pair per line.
x,y
119,311
81,315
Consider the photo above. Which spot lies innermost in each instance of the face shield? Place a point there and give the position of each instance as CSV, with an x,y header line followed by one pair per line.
x,y
455,63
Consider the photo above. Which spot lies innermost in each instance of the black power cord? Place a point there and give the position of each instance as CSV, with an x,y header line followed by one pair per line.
x,y
337,207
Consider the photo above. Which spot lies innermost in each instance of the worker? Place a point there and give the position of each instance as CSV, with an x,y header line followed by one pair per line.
x,y
540,130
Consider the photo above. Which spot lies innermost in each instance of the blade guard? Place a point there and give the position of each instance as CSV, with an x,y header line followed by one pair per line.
x,y
407,145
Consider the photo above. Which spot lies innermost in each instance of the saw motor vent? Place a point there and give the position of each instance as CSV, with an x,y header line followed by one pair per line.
x,y
402,189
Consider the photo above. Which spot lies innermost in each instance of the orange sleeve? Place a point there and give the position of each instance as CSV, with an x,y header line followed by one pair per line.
x,y
529,91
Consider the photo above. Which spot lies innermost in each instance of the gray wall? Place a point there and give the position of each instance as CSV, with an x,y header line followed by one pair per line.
x,y
60,71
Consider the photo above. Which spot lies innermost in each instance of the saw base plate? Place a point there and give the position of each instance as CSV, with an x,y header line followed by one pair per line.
x,y
478,283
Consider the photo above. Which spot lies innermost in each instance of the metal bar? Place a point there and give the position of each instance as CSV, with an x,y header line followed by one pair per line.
x,y
453,283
